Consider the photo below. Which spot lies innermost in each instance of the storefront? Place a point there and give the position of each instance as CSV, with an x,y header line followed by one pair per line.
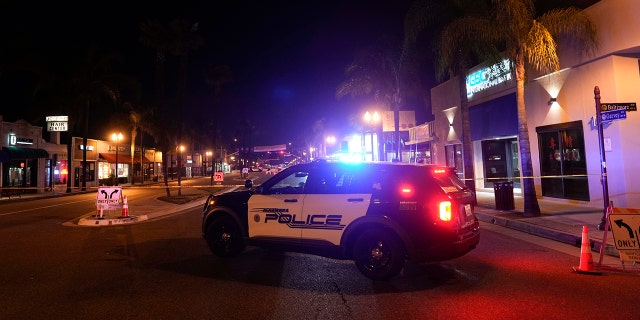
x,y
494,127
565,144
419,143
27,160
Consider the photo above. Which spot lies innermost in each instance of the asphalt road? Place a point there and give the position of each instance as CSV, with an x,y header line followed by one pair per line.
x,y
162,269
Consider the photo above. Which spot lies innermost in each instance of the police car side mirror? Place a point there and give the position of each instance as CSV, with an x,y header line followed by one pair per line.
x,y
248,184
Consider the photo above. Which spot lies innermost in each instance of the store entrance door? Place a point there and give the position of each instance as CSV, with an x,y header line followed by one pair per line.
x,y
501,161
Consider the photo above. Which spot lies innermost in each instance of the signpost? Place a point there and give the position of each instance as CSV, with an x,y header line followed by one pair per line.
x,y
605,113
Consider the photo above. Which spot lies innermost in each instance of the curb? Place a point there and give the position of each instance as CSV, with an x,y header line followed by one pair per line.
x,y
92,221
533,229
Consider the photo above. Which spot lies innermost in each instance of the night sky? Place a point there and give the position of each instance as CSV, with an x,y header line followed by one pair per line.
x,y
287,57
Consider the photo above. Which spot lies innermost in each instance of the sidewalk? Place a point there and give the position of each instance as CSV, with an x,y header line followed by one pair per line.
x,y
560,220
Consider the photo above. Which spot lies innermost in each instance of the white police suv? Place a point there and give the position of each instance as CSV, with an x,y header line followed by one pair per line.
x,y
376,214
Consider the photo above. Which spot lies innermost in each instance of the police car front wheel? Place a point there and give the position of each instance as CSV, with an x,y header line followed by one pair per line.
x,y
224,237
379,254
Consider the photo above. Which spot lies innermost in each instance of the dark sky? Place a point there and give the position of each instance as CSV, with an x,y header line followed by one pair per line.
x,y
287,57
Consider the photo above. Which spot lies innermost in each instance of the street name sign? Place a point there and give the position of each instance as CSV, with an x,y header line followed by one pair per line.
x,y
612,115
628,106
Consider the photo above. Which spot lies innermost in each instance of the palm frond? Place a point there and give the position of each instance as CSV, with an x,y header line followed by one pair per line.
x,y
540,49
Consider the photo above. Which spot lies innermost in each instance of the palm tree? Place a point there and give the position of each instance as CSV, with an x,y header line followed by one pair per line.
x,y
139,121
216,76
380,73
178,38
457,49
531,39
94,83
527,39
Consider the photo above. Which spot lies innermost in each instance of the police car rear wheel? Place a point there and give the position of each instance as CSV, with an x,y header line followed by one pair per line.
x,y
379,254
224,238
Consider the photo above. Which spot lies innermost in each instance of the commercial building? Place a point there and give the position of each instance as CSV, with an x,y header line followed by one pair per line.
x,y
27,161
561,116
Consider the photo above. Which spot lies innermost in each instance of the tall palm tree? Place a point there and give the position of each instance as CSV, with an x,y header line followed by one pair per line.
x,y
530,39
527,39
178,38
456,48
93,83
157,36
380,73
139,121
185,39
216,76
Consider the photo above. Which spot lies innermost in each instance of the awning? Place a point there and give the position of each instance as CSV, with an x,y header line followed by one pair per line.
x,y
122,158
23,153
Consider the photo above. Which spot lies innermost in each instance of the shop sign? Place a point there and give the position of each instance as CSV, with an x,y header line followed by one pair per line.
x,y
57,123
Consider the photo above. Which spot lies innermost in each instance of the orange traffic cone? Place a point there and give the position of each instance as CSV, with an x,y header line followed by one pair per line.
x,y
125,207
586,259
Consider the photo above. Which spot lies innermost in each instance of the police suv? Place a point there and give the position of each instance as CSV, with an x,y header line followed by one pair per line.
x,y
376,214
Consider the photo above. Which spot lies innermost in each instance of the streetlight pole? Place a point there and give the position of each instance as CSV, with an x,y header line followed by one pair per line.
x,y
117,138
180,150
208,154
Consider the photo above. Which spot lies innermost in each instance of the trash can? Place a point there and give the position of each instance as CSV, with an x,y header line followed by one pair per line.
x,y
504,195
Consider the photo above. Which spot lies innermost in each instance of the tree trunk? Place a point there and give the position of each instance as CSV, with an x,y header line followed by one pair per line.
x,y
531,207
467,146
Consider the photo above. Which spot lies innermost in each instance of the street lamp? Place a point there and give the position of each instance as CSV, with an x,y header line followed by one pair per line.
x,y
372,120
117,138
180,150
208,154
331,140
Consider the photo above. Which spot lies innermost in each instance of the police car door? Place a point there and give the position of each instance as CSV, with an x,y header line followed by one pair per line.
x,y
274,212
329,207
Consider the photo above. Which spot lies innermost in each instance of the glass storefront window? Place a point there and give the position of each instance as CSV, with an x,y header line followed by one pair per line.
x,y
562,163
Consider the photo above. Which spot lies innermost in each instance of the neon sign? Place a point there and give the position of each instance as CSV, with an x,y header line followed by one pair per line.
x,y
488,77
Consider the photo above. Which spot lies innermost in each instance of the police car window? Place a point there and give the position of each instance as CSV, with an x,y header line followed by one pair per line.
x,y
359,181
326,181
291,184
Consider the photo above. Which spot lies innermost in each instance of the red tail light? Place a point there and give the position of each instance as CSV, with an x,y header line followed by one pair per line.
x,y
444,211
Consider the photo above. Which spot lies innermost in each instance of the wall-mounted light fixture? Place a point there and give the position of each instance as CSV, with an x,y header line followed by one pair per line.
x,y
450,124
551,101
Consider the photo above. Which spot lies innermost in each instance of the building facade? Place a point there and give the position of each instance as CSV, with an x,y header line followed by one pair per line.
x,y
561,114
104,163
27,161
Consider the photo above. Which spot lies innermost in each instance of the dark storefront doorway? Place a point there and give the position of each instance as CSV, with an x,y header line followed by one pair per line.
x,y
501,162
563,164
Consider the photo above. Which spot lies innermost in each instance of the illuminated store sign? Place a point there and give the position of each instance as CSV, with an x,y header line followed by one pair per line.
x,y
57,123
488,77
14,140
